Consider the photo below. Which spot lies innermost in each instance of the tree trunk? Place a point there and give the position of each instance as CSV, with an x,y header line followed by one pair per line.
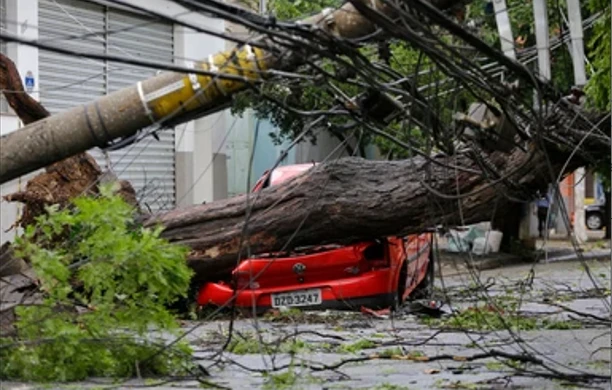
x,y
508,220
344,201
26,108
352,199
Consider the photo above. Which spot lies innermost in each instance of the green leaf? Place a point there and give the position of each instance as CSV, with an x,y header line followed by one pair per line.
x,y
125,278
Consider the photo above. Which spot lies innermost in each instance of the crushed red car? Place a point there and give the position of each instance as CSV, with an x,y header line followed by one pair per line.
x,y
374,274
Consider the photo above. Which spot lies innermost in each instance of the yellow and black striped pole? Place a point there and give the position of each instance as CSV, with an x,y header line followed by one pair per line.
x,y
169,95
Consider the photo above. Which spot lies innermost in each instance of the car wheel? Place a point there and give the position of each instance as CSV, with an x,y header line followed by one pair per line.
x,y
185,305
594,221
424,290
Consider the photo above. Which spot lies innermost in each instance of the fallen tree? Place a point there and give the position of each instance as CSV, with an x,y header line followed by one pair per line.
x,y
386,198
354,199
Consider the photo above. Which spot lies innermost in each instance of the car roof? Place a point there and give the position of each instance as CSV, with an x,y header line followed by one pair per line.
x,y
283,173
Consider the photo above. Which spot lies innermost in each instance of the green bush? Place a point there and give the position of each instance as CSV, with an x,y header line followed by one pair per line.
x,y
107,283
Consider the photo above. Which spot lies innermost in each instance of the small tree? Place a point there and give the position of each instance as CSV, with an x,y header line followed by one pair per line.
x,y
598,87
107,283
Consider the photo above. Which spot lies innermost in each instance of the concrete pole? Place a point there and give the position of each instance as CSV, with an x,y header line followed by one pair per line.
x,y
540,14
579,225
578,60
504,28
577,35
124,112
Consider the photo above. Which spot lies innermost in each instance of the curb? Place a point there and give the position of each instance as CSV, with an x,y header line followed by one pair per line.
x,y
591,255
501,260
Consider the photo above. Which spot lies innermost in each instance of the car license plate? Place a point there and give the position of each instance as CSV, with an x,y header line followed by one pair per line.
x,y
309,297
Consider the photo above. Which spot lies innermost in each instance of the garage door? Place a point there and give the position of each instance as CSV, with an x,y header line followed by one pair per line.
x,y
67,81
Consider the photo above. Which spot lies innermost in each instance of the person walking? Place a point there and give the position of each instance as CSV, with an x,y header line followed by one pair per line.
x,y
543,204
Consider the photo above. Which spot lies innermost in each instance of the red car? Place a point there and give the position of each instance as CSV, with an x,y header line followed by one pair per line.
x,y
373,274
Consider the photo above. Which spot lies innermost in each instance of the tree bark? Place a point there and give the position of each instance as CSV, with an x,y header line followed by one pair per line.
x,y
26,108
352,199
508,220
344,201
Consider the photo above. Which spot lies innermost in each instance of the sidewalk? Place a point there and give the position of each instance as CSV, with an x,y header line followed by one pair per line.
x,y
555,249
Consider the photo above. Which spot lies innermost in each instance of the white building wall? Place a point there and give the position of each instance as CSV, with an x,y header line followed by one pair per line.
x,y
196,182
22,19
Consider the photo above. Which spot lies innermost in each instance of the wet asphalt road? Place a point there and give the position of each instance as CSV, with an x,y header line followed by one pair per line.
x,y
583,349
401,352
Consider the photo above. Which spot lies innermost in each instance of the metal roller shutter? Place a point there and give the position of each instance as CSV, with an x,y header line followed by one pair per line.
x,y
152,169
68,81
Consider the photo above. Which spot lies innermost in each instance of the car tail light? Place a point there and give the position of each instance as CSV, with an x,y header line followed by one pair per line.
x,y
376,255
244,280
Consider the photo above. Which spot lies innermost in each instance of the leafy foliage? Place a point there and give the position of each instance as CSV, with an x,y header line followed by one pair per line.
x,y
106,284
289,10
315,95
292,378
501,313
598,87
358,346
248,343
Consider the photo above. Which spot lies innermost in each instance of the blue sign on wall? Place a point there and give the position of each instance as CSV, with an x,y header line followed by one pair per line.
x,y
29,81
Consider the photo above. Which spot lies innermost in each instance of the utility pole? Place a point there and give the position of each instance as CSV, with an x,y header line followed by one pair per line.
x,y
576,33
577,37
124,112
504,28
540,15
